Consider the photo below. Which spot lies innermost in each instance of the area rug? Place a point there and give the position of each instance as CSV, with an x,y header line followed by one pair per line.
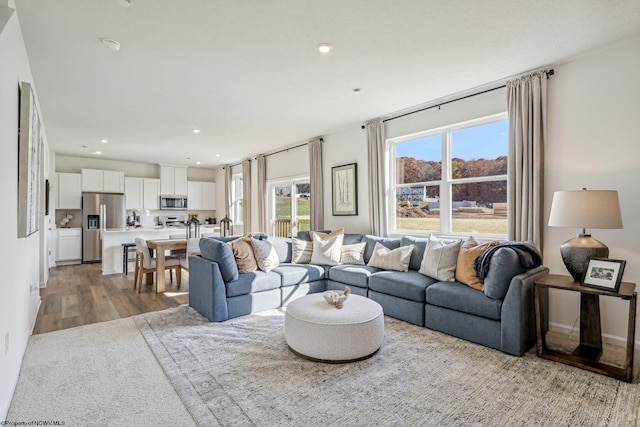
x,y
241,372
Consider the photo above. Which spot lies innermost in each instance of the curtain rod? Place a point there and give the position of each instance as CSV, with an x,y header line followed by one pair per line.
x,y
235,164
550,72
286,149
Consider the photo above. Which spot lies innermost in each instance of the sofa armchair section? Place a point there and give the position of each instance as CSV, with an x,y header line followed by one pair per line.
x,y
500,317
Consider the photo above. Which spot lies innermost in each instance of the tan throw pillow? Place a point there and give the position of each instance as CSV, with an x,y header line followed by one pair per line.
x,y
326,252
387,259
301,251
243,253
439,259
324,236
465,270
353,254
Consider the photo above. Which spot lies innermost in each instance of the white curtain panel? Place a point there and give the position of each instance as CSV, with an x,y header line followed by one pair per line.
x,y
246,195
227,189
316,208
527,106
376,163
262,188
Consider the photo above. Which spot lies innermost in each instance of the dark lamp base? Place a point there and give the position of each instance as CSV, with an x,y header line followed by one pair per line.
x,y
575,253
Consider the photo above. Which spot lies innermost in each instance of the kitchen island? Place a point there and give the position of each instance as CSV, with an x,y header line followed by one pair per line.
x,y
112,240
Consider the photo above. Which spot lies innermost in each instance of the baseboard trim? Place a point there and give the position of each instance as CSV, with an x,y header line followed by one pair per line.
x,y
34,316
608,338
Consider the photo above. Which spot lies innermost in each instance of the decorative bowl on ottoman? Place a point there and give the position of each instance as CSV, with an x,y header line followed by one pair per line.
x,y
337,298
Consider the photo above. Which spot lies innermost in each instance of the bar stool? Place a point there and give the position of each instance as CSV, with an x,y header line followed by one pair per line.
x,y
127,248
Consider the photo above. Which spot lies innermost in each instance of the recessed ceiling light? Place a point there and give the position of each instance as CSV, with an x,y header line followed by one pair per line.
x,y
98,152
197,163
324,48
104,141
196,131
112,45
217,155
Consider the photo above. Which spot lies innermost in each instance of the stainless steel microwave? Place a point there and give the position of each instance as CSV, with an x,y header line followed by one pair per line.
x,y
173,202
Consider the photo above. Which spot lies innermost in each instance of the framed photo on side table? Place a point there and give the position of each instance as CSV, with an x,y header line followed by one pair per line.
x,y
603,273
344,181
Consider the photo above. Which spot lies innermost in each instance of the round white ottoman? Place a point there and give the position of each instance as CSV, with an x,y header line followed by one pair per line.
x,y
321,332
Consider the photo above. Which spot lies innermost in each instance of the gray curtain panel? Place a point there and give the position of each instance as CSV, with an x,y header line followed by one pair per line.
x,y
246,195
527,106
376,153
316,184
227,189
262,188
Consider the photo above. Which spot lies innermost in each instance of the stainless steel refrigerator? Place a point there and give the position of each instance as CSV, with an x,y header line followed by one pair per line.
x,y
100,211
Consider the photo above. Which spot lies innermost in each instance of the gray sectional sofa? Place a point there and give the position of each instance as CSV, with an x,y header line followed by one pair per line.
x,y
504,320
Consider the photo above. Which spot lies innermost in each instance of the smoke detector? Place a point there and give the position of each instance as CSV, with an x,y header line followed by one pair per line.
x,y
112,45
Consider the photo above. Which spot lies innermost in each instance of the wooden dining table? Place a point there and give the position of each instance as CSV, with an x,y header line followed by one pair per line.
x,y
160,246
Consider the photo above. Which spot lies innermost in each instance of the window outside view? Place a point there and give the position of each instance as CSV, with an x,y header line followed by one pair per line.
x,y
286,210
470,185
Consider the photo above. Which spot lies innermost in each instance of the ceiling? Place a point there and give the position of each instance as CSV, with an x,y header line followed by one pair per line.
x,y
247,74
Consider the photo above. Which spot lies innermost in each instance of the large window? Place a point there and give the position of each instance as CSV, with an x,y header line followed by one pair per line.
x,y
451,180
289,206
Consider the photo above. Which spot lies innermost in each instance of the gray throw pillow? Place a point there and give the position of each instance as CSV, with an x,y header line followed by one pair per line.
x,y
391,259
353,254
440,258
266,256
504,265
302,250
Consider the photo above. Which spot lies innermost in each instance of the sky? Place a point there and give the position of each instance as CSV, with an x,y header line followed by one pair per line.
x,y
487,141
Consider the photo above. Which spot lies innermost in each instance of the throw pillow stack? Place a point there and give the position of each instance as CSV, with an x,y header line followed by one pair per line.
x,y
252,254
326,249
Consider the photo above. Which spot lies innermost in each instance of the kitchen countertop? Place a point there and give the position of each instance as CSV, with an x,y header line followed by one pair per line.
x,y
156,228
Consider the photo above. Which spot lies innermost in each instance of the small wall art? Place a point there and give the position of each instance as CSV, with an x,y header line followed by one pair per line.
x,y
344,181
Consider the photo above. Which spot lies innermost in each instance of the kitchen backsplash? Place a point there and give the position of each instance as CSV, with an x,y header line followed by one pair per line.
x,y
74,222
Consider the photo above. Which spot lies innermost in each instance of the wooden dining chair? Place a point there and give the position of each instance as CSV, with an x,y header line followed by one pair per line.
x,y
146,264
193,248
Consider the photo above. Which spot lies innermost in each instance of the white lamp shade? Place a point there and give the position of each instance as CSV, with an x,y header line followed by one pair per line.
x,y
585,209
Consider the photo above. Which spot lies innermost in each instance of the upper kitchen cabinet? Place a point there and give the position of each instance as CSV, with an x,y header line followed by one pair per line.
x,y
151,191
69,191
102,181
133,193
142,193
173,180
202,195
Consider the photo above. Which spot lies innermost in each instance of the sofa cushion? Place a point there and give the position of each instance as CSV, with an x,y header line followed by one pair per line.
x,y
218,251
301,251
419,245
304,235
249,283
353,254
408,284
391,259
282,246
295,274
388,242
352,275
504,265
326,250
352,238
465,269
266,255
243,253
440,258
460,297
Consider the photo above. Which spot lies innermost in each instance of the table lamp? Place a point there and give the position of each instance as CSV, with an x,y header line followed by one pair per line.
x,y
584,209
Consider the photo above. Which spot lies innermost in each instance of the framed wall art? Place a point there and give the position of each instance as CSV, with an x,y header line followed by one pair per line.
x,y
344,180
29,159
603,273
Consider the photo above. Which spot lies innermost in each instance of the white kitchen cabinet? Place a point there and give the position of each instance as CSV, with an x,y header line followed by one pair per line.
x,y
151,193
102,181
201,195
133,193
173,180
69,191
69,244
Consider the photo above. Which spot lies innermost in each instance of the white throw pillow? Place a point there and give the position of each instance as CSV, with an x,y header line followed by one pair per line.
x,y
301,251
439,260
387,259
353,254
265,254
326,252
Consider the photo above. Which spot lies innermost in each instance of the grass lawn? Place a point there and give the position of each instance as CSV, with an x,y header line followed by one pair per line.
x,y
283,211
460,225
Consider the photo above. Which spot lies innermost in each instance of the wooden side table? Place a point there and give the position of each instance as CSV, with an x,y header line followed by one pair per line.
x,y
587,354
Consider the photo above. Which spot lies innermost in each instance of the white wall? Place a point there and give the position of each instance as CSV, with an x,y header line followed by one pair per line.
x,y
20,257
593,142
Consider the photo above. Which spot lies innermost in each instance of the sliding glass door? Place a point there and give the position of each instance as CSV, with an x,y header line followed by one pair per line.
x,y
289,206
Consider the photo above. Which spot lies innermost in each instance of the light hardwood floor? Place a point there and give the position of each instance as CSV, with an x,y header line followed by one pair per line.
x,y
79,295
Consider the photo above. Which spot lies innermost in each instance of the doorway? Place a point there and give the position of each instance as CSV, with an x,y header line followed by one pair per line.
x,y
289,206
